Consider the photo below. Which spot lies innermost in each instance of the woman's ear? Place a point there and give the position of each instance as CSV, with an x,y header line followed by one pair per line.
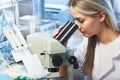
x,y
102,16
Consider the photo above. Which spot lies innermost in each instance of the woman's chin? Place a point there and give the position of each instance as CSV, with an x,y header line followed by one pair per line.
x,y
85,35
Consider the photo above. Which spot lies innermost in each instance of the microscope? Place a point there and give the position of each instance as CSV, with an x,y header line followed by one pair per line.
x,y
52,52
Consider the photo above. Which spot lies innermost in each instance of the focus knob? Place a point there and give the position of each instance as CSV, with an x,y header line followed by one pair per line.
x,y
72,59
57,60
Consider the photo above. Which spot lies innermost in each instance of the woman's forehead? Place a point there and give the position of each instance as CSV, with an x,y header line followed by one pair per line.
x,y
76,14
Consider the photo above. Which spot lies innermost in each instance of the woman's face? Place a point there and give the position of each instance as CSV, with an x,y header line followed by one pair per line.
x,y
87,25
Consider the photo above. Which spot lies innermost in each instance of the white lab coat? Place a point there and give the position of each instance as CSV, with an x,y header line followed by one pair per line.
x,y
106,61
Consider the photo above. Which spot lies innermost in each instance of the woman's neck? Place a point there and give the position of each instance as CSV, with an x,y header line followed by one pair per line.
x,y
107,35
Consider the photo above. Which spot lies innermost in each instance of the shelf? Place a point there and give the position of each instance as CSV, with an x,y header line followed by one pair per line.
x,y
4,5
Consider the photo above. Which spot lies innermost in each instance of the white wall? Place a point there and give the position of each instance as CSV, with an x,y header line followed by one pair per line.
x,y
57,1
117,6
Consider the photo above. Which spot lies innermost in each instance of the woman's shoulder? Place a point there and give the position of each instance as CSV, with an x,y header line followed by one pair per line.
x,y
82,47
84,41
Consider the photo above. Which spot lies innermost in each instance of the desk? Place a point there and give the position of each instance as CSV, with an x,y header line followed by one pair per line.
x,y
15,69
18,69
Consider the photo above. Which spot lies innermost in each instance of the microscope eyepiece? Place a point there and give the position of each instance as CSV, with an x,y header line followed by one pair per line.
x,y
66,32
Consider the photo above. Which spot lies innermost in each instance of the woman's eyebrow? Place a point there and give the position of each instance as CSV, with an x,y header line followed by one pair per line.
x,y
79,18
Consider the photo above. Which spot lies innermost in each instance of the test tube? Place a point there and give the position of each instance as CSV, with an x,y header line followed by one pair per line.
x,y
10,39
20,36
14,37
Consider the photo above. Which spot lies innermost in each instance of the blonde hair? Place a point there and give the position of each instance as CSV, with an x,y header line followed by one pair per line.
x,y
92,7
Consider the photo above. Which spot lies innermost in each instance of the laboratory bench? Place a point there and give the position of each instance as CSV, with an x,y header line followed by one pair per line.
x,y
17,69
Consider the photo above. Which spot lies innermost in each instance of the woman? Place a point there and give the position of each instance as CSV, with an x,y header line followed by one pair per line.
x,y
99,54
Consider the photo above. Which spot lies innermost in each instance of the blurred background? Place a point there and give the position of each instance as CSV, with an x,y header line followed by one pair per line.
x,y
39,16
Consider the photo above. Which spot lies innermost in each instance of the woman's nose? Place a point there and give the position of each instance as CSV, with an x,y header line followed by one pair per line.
x,y
79,26
76,23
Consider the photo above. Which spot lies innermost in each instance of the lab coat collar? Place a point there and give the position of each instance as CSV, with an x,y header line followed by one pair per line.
x,y
115,56
107,69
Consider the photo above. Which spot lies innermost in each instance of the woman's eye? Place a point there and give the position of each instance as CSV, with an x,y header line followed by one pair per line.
x,y
80,20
